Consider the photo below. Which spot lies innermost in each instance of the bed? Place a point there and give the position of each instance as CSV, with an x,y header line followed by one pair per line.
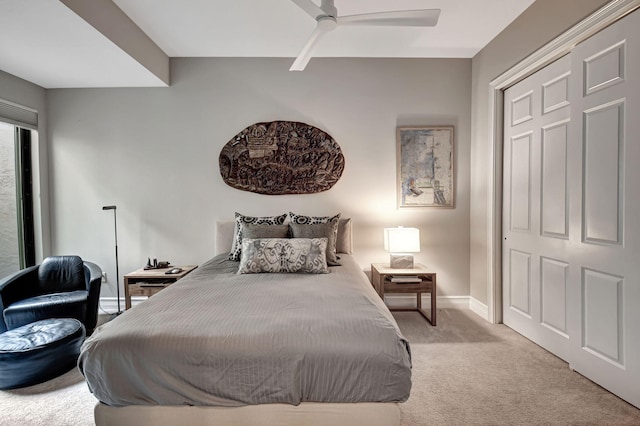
x,y
219,347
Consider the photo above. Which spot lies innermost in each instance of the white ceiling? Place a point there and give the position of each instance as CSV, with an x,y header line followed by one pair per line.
x,y
45,42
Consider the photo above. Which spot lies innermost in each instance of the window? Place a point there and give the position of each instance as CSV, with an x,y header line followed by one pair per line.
x,y
17,250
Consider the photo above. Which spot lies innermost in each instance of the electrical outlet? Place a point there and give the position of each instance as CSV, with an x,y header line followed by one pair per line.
x,y
104,277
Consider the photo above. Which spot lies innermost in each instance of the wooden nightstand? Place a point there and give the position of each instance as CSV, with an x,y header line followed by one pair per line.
x,y
381,276
148,282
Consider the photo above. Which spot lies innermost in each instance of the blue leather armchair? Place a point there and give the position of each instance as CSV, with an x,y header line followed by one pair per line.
x,y
60,287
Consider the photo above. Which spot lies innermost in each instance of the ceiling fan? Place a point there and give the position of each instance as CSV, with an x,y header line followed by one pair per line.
x,y
327,17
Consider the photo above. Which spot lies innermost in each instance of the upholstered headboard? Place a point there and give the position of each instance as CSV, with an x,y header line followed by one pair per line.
x,y
224,236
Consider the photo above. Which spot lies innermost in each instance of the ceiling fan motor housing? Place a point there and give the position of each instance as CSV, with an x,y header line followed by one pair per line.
x,y
327,23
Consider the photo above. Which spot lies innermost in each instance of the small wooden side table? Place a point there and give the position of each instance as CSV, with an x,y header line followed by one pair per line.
x,y
381,275
149,282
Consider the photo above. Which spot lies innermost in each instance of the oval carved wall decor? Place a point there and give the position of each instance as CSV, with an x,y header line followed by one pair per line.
x,y
281,157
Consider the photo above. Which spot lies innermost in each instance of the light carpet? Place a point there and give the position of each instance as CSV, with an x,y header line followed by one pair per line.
x,y
469,372
465,372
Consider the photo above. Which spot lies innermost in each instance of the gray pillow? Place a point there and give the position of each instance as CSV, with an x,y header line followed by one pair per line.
x,y
306,255
254,231
236,247
327,230
344,242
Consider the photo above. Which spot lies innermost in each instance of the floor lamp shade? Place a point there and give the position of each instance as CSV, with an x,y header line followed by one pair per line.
x,y
399,242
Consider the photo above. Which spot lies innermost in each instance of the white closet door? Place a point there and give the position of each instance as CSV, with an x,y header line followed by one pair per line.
x,y
605,211
535,207
571,216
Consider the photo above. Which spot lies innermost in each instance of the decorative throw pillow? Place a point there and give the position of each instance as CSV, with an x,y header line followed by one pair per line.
x,y
306,255
319,230
308,220
344,242
298,219
236,247
254,231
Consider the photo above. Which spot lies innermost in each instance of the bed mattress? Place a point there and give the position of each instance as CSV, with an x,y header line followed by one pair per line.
x,y
218,338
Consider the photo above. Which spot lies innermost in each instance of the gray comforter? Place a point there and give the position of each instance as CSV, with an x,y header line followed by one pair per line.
x,y
223,339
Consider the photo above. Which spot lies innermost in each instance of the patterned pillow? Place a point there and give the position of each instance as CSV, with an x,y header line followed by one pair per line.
x,y
308,220
298,219
236,247
306,255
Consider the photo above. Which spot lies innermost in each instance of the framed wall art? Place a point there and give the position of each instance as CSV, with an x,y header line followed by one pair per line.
x,y
425,166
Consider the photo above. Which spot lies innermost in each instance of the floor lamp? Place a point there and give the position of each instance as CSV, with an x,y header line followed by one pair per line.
x,y
115,230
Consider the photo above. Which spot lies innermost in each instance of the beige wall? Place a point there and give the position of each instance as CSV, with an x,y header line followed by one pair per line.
x,y
539,24
154,153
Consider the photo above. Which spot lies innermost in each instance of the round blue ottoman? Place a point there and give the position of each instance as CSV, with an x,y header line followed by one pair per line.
x,y
37,352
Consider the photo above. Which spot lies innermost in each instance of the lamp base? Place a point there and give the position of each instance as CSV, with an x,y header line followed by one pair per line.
x,y
401,261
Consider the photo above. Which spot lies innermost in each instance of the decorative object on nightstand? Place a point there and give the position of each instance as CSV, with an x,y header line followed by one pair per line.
x,y
399,242
164,264
147,282
421,280
115,230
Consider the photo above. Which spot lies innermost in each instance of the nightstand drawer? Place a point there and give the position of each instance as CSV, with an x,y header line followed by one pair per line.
x,y
146,289
391,287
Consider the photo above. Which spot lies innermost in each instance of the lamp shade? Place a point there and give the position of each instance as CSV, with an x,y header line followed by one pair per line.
x,y
402,240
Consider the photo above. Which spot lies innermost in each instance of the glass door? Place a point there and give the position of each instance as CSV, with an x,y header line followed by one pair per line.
x,y
16,202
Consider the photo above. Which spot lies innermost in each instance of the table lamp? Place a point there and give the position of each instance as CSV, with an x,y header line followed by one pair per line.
x,y
399,242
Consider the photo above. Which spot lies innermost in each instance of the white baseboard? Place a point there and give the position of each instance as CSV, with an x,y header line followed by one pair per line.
x,y
409,301
109,305
479,308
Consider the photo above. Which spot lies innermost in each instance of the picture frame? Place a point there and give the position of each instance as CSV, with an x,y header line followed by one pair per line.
x,y
425,166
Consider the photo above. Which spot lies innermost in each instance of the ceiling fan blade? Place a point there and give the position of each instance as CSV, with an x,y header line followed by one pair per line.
x,y
310,7
305,54
404,18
